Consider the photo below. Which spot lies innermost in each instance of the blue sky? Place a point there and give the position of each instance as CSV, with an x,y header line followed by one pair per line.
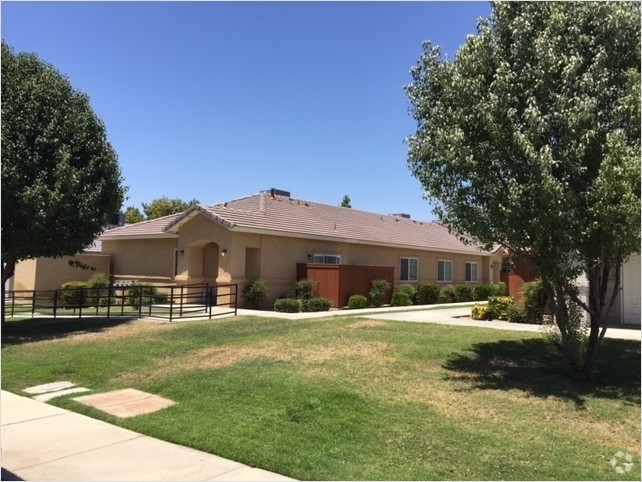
x,y
219,100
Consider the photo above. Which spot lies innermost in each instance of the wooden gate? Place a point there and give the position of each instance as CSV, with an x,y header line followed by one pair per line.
x,y
337,282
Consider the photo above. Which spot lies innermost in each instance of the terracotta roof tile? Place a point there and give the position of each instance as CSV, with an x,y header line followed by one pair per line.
x,y
153,227
285,216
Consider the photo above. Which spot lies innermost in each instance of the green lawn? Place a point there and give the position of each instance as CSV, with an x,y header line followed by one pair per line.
x,y
349,398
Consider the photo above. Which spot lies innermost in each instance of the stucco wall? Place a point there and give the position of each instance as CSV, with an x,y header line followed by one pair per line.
x,y
51,273
147,260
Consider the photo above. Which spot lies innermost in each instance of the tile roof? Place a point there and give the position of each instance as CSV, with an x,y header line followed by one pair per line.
x,y
286,216
152,228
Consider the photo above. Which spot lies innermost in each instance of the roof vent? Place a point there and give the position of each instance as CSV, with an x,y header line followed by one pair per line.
x,y
277,192
401,215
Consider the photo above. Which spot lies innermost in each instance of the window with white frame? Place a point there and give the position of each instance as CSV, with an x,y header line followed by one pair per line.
x,y
471,271
326,258
444,270
408,269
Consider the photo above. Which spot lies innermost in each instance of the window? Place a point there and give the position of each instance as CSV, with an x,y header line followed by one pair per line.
x,y
408,269
444,270
326,259
471,271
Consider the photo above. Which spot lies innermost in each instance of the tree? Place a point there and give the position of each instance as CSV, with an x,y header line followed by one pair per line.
x,y
530,139
165,206
133,215
60,176
346,203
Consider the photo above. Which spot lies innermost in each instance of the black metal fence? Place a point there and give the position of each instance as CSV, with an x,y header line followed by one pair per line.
x,y
168,302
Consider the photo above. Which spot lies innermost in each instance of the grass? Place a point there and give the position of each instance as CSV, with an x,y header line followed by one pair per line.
x,y
351,398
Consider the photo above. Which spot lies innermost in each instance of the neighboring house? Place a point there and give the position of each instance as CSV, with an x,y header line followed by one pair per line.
x,y
267,235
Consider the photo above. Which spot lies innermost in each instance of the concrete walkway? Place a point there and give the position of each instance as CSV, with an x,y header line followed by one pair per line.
x,y
460,317
451,314
44,442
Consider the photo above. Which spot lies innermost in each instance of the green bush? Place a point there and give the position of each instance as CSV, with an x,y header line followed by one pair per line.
x,y
74,294
400,298
516,313
499,289
144,295
481,312
254,293
99,280
356,302
534,302
447,294
378,290
498,306
316,304
287,305
463,293
427,294
98,285
304,288
409,290
483,292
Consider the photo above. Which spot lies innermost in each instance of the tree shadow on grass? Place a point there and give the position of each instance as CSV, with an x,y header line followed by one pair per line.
x,y
39,329
535,367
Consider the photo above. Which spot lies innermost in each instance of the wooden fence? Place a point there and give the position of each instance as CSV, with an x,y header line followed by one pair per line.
x,y
337,282
521,273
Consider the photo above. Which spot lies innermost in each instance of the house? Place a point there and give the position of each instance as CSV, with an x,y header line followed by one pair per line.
x,y
271,235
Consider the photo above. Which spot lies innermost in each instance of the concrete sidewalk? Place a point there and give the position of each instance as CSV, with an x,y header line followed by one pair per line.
x,y
459,316
44,442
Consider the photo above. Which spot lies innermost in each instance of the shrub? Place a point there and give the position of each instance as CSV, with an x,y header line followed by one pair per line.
x,y
378,290
99,280
144,295
98,285
303,289
463,293
356,302
400,299
254,293
287,305
409,290
534,301
499,289
447,294
427,294
481,312
516,313
73,294
316,304
498,306
483,292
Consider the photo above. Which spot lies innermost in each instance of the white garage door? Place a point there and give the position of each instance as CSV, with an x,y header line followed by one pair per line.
x,y
631,291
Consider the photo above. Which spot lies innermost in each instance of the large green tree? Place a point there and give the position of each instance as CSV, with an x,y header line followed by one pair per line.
x,y
530,138
165,206
60,176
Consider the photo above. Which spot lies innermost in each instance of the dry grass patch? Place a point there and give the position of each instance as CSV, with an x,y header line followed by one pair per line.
x,y
222,356
366,325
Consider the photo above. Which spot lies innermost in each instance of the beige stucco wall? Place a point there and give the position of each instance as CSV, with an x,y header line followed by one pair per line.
x,y
51,273
145,260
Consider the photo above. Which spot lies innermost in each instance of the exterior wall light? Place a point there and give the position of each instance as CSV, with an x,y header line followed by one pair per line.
x,y
224,252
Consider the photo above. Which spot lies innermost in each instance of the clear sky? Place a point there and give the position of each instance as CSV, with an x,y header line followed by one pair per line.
x,y
220,100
